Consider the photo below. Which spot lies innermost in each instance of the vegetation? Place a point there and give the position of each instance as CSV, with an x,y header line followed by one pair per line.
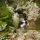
x,y
7,25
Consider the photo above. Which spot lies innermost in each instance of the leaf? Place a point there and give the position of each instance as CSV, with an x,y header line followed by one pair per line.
x,y
2,25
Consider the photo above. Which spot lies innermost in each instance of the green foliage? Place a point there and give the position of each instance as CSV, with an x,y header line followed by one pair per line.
x,y
2,2
38,3
37,24
5,15
5,19
2,25
23,2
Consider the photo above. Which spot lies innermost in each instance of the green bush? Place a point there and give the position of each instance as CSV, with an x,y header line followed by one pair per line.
x,y
5,14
